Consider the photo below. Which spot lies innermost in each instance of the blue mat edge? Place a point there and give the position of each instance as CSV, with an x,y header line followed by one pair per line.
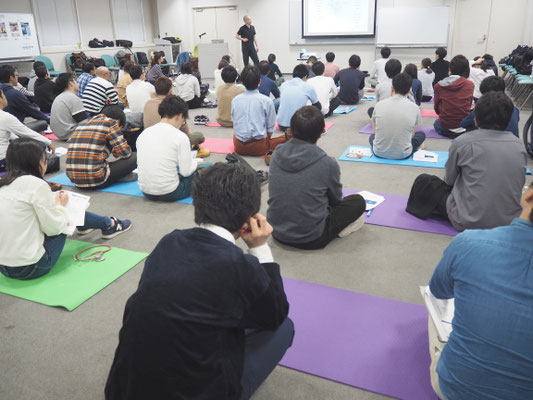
x,y
405,162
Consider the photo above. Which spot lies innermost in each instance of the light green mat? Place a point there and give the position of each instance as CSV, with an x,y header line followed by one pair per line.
x,y
70,282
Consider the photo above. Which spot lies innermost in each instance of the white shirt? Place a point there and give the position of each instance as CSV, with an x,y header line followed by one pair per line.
x,y
28,211
263,253
161,151
187,86
138,93
378,70
325,89
427,82
218,79
11,128
477,75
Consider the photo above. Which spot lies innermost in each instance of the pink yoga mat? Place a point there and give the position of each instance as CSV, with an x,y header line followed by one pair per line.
x,y
219,146
369,342
428,130
428,113
391,213
214,124
51,136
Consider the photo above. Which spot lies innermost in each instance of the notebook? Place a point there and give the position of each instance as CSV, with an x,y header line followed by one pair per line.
x,y
440,311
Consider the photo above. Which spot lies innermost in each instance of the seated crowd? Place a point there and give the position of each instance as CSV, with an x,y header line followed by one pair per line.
x,y
229,341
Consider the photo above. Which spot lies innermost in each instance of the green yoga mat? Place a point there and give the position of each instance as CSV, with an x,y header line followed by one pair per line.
x,y
70,282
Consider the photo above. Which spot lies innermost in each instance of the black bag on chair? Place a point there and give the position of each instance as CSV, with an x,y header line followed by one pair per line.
x,y
141,56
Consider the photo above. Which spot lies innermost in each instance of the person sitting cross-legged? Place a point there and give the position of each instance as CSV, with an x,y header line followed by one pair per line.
x,y
268,86
254,118
90,146
325,89
305,204
394,123
67,108
99,92
351,81
166,168
225,95
207,321
138,91
485,173
33,218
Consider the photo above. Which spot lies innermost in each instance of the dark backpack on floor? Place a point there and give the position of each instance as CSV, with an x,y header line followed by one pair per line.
x,y
262,176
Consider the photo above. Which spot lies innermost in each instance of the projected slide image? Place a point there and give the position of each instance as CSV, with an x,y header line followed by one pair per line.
x,y
14,27
3,30
25,28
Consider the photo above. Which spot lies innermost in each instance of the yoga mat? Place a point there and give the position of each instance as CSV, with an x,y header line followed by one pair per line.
x,y
428,113
368,98
391,213
70,283
408,162
215,124
428,130
51,136
219,146
369,342
344,109
127,188
3,173
528,171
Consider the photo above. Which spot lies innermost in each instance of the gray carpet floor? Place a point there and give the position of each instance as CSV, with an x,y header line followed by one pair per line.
x,y
51,354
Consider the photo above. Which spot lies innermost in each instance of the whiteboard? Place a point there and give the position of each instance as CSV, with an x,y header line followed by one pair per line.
x,y
18,37
413,26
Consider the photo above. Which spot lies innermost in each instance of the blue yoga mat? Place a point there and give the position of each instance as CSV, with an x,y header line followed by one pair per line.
x,y
344,109
127,188
409,162
528,171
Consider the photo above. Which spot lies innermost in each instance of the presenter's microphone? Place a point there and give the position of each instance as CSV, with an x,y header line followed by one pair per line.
x,y
202,34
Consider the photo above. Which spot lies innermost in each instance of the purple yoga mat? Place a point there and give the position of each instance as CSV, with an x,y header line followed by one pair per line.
x,y
3,173
391,213
428,130
369,342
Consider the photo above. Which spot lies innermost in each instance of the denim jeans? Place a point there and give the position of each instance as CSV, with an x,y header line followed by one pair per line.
x,y
416,141
276,104
53,246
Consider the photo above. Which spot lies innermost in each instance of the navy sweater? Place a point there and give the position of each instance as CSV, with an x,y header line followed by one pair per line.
x,y
268,86
183,329
20,106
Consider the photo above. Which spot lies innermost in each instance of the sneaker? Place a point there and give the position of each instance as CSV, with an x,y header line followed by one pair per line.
x,y
354,226
121,226
202,153
82,232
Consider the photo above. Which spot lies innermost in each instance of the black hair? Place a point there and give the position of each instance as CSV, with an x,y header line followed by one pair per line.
x,y
6,72
173,105
226,58
312,59
402,83
426,63
128,65
393,67
229,74
226,195
459,65
487,56
63,80
186,68
493,111
250,77
162,86
354,61
441,52
136,72
41,72
23,157
330,56
411,70
385,52
88,67
492,84
264,67
115,112
271,58
300,71
154,59
222,63
307,124
318,68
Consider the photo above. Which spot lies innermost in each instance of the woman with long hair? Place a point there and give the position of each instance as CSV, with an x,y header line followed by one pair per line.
x,y
154,68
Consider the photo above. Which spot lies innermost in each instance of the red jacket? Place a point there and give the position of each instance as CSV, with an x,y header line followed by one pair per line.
x,y
453,100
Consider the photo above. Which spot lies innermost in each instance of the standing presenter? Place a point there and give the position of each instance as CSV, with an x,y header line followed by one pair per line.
x,y
246,35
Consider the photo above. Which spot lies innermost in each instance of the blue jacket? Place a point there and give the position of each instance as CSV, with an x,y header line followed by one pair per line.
x,y
268,86
19,105
468,122
416,88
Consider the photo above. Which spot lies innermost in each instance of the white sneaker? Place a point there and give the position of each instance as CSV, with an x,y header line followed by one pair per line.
x,y
354,226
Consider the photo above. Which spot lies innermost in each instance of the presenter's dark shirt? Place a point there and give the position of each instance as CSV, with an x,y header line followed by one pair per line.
x,y
248,33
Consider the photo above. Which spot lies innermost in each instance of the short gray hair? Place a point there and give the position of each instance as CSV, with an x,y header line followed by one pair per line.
x,y
244,18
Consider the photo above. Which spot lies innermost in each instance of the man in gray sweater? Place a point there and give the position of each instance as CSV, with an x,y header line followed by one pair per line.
x,y
485,173
306,207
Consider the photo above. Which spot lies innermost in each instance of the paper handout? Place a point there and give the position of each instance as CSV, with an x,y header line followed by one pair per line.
x,y
426,156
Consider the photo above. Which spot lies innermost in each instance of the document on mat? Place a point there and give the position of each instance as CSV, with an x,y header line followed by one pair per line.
x,y
76,207
441,312
372,200
364,151
426,156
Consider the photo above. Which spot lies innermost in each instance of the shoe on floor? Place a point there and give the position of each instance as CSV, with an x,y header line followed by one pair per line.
x,y
82,232
202,153
354,226
121,226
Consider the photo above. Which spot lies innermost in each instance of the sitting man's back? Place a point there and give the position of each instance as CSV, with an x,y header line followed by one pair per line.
x,y
207,320
99,92
225,95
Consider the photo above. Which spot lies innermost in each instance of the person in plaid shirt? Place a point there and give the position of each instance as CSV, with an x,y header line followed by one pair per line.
x,y
90,146
89,72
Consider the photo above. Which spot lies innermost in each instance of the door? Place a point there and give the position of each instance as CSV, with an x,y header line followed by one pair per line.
x,y
204,21
228,24
471,27
507,27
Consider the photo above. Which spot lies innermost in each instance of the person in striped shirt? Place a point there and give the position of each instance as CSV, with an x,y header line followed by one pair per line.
x,y
99,92
91,144
89,72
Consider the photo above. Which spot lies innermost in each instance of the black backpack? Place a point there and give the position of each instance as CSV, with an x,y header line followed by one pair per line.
x,y
262,176
98,62
141,57
77,60
95,43
124,43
